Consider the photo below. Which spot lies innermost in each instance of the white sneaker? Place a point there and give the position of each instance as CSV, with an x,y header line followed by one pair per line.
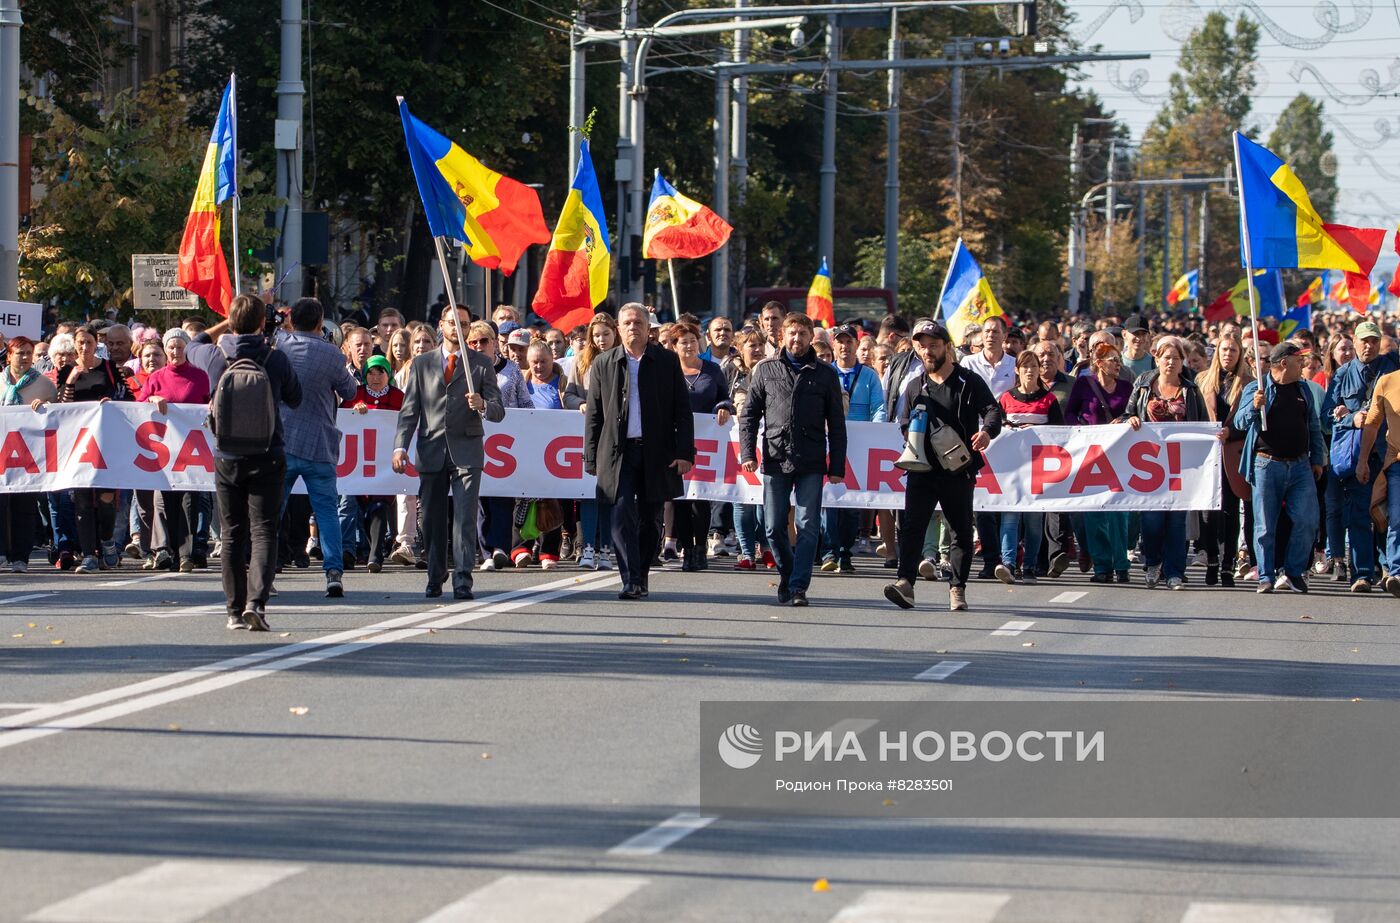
x,y
487,564
587,559
1174,583
605,561
218,550
1198,560
716,546
548,564
1134,556
1284,582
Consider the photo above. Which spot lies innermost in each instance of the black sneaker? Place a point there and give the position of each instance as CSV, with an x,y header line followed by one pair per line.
x,y
256,618
799,598
335,589
236,622
1058,564
784,596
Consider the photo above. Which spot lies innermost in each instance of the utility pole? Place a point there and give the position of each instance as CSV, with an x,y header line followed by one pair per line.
x,y
739,162
1142,249
955,119
890,278
288,142
10,23
1201,243
1075,269
1166,242
626,151
719,263
578,74
826,237
1109,202
1185,229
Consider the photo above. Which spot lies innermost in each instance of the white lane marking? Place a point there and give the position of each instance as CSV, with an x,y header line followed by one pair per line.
x,y
540,899
163,575
25,598
233,663
253,667
1011,629
851,726
671,830
943,669
11,706
219,609
923,907
170,892
1068,596
1205,912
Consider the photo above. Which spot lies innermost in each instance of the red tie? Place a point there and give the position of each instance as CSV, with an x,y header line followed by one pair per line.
x,y
451,367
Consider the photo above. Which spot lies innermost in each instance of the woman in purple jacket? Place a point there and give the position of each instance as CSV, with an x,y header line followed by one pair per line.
x,y
1099,396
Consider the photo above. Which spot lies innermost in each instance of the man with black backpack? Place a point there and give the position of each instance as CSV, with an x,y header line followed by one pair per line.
x,y
250,464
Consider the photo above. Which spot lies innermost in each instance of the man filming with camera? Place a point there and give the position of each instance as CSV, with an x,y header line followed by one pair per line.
x,y
962,418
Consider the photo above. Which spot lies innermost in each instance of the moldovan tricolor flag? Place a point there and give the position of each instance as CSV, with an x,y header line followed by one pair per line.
x,y
1185,287
495,216
966,298
678,227
1286,232
575,275
819,306
202,268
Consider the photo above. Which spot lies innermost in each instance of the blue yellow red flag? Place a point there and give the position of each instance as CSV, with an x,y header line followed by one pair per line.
x,y
575,275
202,268
820,307
1284,231
966,298
495,216
1312,294
1185,287
678,227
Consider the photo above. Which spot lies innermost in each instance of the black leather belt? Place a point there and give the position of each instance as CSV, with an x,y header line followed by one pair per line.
x,y
1278,458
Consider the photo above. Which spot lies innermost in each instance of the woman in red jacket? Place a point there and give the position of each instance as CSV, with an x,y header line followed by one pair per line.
x,y
377,393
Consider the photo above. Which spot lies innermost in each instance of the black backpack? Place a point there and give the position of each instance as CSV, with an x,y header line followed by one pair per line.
x,y
243,410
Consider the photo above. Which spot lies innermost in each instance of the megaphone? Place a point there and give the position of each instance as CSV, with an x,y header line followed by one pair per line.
x,y
913,458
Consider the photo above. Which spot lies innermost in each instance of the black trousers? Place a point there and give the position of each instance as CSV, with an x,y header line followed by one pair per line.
x,y
692,524
953,493
989,530
18,512
463,485
176,521
635,532
1221,535
249,495
95,518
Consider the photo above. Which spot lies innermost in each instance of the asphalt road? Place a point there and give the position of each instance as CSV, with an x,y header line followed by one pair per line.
x,y
532,756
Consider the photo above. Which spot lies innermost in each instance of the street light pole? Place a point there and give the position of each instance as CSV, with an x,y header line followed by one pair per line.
x,y
10,23
826,227
890,277
288,142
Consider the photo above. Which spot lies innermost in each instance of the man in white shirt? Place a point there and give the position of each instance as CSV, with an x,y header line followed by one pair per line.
x,y
997,367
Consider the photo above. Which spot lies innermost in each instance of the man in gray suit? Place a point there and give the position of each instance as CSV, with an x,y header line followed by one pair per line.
x,y
447,416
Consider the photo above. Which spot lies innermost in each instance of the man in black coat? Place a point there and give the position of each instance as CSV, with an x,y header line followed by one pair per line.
x,y
797,399
639,440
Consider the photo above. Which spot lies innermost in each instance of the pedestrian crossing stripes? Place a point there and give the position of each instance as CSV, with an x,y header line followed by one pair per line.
x,y
171,892
673,829
184,891
540,899
923,907
943,669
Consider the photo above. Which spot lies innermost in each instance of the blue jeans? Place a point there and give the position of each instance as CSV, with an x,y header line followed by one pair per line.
x,y
596,519
63,522
1164,541
747,529
319,478
1349,524
350,523
1277,484
1035,532
794,565
1392,529
839,532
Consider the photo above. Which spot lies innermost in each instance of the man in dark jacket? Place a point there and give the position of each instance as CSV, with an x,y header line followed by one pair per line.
x,y
639,440
797,399
249,487
956,398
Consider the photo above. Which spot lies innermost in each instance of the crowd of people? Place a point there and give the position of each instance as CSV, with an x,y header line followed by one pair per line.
x,y
1304,445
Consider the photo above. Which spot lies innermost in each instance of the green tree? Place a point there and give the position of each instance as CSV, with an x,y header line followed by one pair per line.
x,y
919,280
120,187
71,46
1300,139
1215,71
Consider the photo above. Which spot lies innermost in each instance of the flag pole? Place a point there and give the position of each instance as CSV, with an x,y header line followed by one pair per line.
x,y
452,303
675,290
1259,360
233,121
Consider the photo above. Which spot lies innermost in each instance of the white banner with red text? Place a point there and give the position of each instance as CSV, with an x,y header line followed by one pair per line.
x,y
539,453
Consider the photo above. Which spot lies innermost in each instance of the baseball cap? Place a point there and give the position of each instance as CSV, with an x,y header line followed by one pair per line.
x,y
931,328
1135,324
507,328
518,337
1284,350
1367,329
846,330
378,362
